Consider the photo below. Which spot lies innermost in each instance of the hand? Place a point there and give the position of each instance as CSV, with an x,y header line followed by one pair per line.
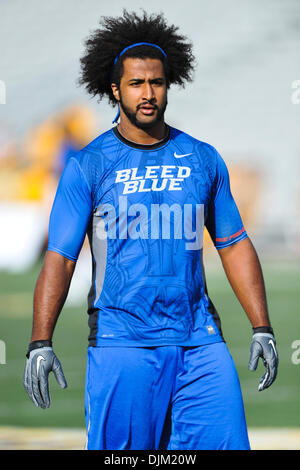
x,y
263,345
40,362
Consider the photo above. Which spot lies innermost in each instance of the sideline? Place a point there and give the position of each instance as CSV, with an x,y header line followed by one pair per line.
x,y
20,438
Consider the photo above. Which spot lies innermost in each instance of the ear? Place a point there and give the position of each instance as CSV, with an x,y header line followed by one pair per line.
x,y
115,91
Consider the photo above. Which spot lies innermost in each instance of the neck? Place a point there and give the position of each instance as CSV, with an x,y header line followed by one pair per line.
x,y
142,136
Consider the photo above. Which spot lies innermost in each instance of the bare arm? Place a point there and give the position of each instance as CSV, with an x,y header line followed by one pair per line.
x,y
50,294
243,270
70,215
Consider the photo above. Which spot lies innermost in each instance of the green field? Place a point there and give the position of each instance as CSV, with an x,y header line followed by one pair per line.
x,y
278,406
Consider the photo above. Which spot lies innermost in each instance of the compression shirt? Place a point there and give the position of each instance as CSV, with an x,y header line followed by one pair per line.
x,y
144,208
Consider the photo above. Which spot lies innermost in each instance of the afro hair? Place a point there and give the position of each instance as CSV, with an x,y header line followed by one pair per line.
x,y
105,44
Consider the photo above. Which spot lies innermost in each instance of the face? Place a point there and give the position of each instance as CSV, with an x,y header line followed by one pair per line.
x,y
143,92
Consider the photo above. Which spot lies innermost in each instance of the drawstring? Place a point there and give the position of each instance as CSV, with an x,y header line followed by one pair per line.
x,y
117,115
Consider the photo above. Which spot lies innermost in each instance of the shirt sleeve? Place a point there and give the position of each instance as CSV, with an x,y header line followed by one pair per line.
x,y
223,222
71,212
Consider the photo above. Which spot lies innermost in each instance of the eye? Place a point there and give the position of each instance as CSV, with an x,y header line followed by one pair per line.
x,y
158,82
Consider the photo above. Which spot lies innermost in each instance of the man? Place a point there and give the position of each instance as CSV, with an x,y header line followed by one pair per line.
x,y
159,374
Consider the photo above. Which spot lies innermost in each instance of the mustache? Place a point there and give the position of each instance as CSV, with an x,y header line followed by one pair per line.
x,y
146,103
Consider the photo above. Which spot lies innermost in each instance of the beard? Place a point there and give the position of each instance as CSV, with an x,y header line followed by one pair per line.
x,y
132,116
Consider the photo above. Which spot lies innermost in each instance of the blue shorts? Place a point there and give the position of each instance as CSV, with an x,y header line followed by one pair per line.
x,y
167,397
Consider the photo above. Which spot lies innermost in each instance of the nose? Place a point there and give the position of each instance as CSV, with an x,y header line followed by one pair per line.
x,y
148,92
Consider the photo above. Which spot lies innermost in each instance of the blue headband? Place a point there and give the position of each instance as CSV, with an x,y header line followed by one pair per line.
x,y
126,49
139,44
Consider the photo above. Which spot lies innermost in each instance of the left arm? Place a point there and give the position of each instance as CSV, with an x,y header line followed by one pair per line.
x,y
243,270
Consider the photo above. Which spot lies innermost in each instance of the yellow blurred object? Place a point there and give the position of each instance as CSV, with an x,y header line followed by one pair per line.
x,y
8,148
79,122
32,183
246,190
25,185
9,184
42,145
245,186
43,154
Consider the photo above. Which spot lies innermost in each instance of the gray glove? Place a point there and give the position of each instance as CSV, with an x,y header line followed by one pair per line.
x,y
40,362
263,345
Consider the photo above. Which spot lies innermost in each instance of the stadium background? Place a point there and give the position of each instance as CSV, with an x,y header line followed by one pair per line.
x,y
244,101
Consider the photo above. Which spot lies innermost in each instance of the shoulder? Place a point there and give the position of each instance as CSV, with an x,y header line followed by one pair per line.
x,y
208,156
180,137
93,159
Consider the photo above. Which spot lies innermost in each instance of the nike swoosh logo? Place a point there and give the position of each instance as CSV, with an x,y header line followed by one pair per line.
x,y
39,359
180,156
273,346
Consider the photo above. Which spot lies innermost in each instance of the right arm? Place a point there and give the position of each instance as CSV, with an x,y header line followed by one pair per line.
x,y
69,219
50,294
